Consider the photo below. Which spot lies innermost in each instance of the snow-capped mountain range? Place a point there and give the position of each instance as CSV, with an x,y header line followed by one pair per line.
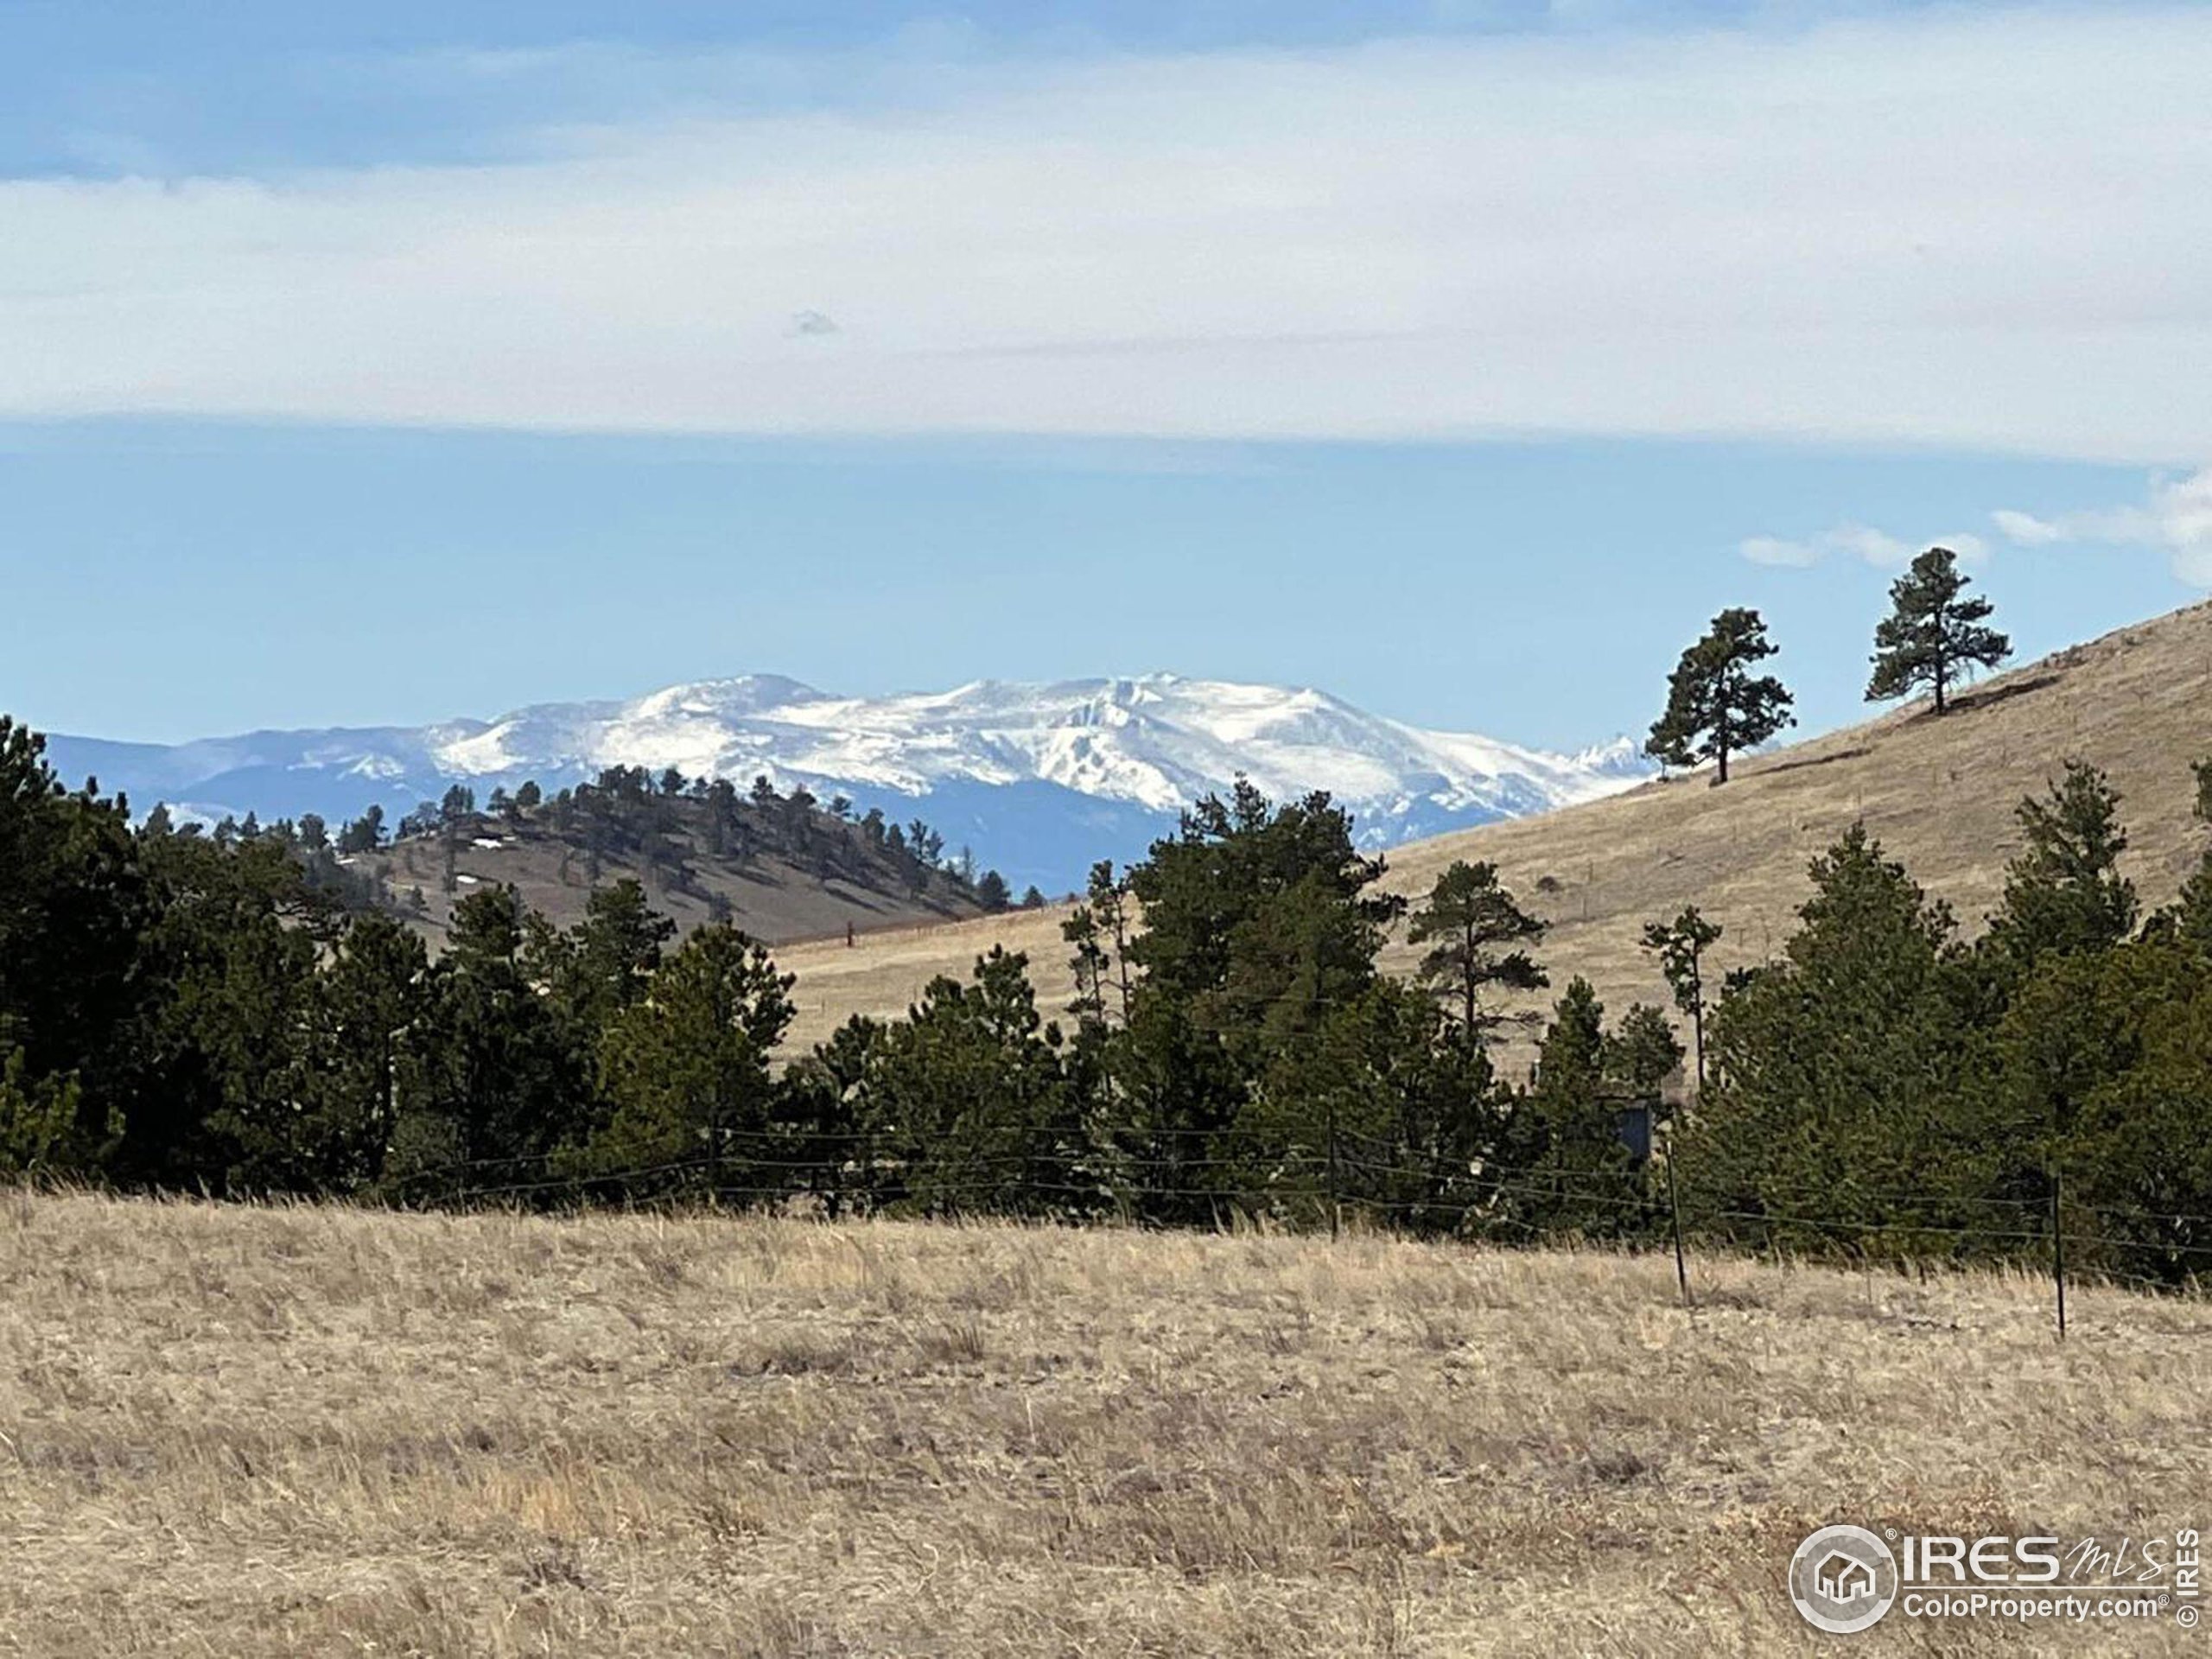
x,y
1038,779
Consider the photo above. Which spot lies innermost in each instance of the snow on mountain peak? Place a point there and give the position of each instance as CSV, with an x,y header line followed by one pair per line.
x,y
1156,740
1077,769
1623,757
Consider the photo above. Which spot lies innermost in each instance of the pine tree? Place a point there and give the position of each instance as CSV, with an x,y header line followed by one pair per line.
x,y
499,1079
372,994
1641,1053
1837,1069
1251,926
1932,633
688,1066
1715,706
233,957
607,961
967,1098
2192,913
365,834
991,891
1110,902
1481,931
1581,1179
1088,962
40,1130
2110,1056
2065,892
1681,945
1258,918
75,906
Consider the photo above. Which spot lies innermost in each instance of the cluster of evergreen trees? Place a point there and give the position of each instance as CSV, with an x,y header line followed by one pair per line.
x,y
1886,1086
182,1011
188,1012
1882,1087
207,1012
665,825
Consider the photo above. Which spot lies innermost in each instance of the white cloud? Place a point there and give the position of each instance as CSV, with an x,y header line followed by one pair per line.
x,y
1875,547
1773,549
1971,549
2175,517
2187,513
1878,548
2025,529
1970,229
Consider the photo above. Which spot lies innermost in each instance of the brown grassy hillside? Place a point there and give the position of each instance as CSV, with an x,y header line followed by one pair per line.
x,y
1939,794
323,1431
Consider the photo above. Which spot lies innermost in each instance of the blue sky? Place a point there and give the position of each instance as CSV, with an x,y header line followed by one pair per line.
x,y
385,364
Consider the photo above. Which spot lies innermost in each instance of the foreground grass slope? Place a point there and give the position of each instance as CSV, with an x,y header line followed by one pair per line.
x,y
243,1432
1940,794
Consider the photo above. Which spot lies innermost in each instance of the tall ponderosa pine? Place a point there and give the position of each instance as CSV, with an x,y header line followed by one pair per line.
x,y
1715,706
1933,633
2105,1066
234,953
1482,934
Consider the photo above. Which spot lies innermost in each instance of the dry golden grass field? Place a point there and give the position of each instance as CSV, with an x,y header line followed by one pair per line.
x,y
241,1432
1938,793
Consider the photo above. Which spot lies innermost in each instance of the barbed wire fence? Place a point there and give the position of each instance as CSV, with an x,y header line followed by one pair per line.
x,y
1061,1173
